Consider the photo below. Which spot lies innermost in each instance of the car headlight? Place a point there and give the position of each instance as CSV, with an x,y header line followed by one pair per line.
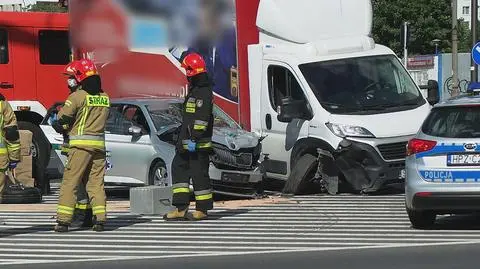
x,y
343,130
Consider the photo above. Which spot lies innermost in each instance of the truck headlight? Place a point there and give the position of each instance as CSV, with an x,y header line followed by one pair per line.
x,y
342,130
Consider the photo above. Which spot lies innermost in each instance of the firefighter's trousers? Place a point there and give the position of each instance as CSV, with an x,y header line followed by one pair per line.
x,y
87,167
3,177
191,165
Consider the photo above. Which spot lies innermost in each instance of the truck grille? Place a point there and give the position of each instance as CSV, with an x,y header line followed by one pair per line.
x,y
393,151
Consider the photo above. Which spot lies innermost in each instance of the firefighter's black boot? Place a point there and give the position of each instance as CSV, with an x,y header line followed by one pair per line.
x,y
88,220
61,228
98,226
78,218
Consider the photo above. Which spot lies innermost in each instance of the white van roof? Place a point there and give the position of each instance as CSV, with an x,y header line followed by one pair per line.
x,y
307,21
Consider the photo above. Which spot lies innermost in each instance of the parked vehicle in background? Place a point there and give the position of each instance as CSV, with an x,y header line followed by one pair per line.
x,y
140,138
443,162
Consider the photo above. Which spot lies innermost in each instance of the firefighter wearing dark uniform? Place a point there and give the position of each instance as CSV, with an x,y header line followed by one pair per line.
x,y
84,116
194,145
9,141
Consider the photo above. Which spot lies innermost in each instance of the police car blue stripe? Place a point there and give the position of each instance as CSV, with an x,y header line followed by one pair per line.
x,y
450,176
443,149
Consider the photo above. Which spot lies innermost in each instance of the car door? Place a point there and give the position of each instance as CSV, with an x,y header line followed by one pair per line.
x,y
130,152
280,137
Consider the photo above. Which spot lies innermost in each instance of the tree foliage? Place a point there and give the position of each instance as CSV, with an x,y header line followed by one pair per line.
x,y
47,7
428,19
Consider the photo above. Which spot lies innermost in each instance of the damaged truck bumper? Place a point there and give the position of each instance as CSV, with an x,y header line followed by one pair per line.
x,y
370,166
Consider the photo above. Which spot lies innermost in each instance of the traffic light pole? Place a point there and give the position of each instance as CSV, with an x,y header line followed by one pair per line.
x,y
474,21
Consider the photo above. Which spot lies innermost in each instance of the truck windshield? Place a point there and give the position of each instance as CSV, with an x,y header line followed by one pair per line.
x,y
364,85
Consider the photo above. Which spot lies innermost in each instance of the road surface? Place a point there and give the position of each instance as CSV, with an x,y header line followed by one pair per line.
x,y
333,230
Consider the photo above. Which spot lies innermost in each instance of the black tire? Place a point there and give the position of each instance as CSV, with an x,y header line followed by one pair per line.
x,y
14,194
41,155
156,166
299,181
421,219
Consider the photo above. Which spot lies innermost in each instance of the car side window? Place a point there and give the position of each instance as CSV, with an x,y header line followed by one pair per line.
x,y
282,83
116,122
136,116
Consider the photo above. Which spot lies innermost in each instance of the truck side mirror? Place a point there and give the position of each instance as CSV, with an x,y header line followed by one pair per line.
x,y
290,109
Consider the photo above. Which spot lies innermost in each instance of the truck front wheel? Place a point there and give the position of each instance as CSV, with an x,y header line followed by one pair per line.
x,y
300,180
40,149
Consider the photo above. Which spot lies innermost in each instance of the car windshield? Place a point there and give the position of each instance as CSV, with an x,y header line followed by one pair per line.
x,y
366,85
171,116
453,122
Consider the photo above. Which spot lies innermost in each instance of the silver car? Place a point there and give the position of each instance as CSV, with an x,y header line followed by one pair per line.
x,y
443,162
140,138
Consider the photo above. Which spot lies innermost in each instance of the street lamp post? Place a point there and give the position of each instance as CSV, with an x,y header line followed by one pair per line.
x,y
436,43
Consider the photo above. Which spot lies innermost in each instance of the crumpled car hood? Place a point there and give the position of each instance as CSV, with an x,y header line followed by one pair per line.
x,y
234,139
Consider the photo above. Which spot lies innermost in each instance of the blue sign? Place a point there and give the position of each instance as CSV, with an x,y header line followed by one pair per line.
x,y
476,53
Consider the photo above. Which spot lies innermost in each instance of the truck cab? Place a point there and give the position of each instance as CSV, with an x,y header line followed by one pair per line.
x,y
34,49
324,84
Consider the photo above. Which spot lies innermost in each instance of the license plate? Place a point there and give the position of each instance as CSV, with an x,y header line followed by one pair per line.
x,y
234,178
463,160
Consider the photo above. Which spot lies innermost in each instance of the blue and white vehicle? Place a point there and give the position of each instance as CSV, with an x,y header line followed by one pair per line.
x,y
443,162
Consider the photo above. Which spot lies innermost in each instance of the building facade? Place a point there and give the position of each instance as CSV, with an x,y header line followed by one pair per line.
x,y
464,11
19,5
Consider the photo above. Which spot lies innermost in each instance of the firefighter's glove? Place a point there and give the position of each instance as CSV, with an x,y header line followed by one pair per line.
x,y
191,146
12,165
58,127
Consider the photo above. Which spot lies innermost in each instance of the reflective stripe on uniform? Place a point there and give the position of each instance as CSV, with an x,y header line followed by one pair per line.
x,y
200,145
68,103
88,143
99,210
203,195
97,141
82,206
81,127
13,147
3,151
200,125
61,209
181,188
190,110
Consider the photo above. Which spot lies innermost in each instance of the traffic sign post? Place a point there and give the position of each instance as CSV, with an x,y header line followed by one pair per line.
x,y
475,58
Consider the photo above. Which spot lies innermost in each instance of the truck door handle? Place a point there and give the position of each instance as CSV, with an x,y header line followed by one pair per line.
x,y
6,85
268,121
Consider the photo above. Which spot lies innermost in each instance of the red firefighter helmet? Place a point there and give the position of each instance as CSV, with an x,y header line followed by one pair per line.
x,y
194,64
81,69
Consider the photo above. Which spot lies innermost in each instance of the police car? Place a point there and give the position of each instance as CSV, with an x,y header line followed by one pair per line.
x,y
443,162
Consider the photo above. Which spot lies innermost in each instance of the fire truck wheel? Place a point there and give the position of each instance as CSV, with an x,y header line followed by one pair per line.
x,y
300,180
40,153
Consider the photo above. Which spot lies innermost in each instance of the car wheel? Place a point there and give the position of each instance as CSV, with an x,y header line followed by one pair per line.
x,y
41,150
158,175
303,172
421,219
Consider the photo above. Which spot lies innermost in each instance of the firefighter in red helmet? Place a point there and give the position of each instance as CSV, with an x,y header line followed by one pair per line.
x,y
194,144
83,117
